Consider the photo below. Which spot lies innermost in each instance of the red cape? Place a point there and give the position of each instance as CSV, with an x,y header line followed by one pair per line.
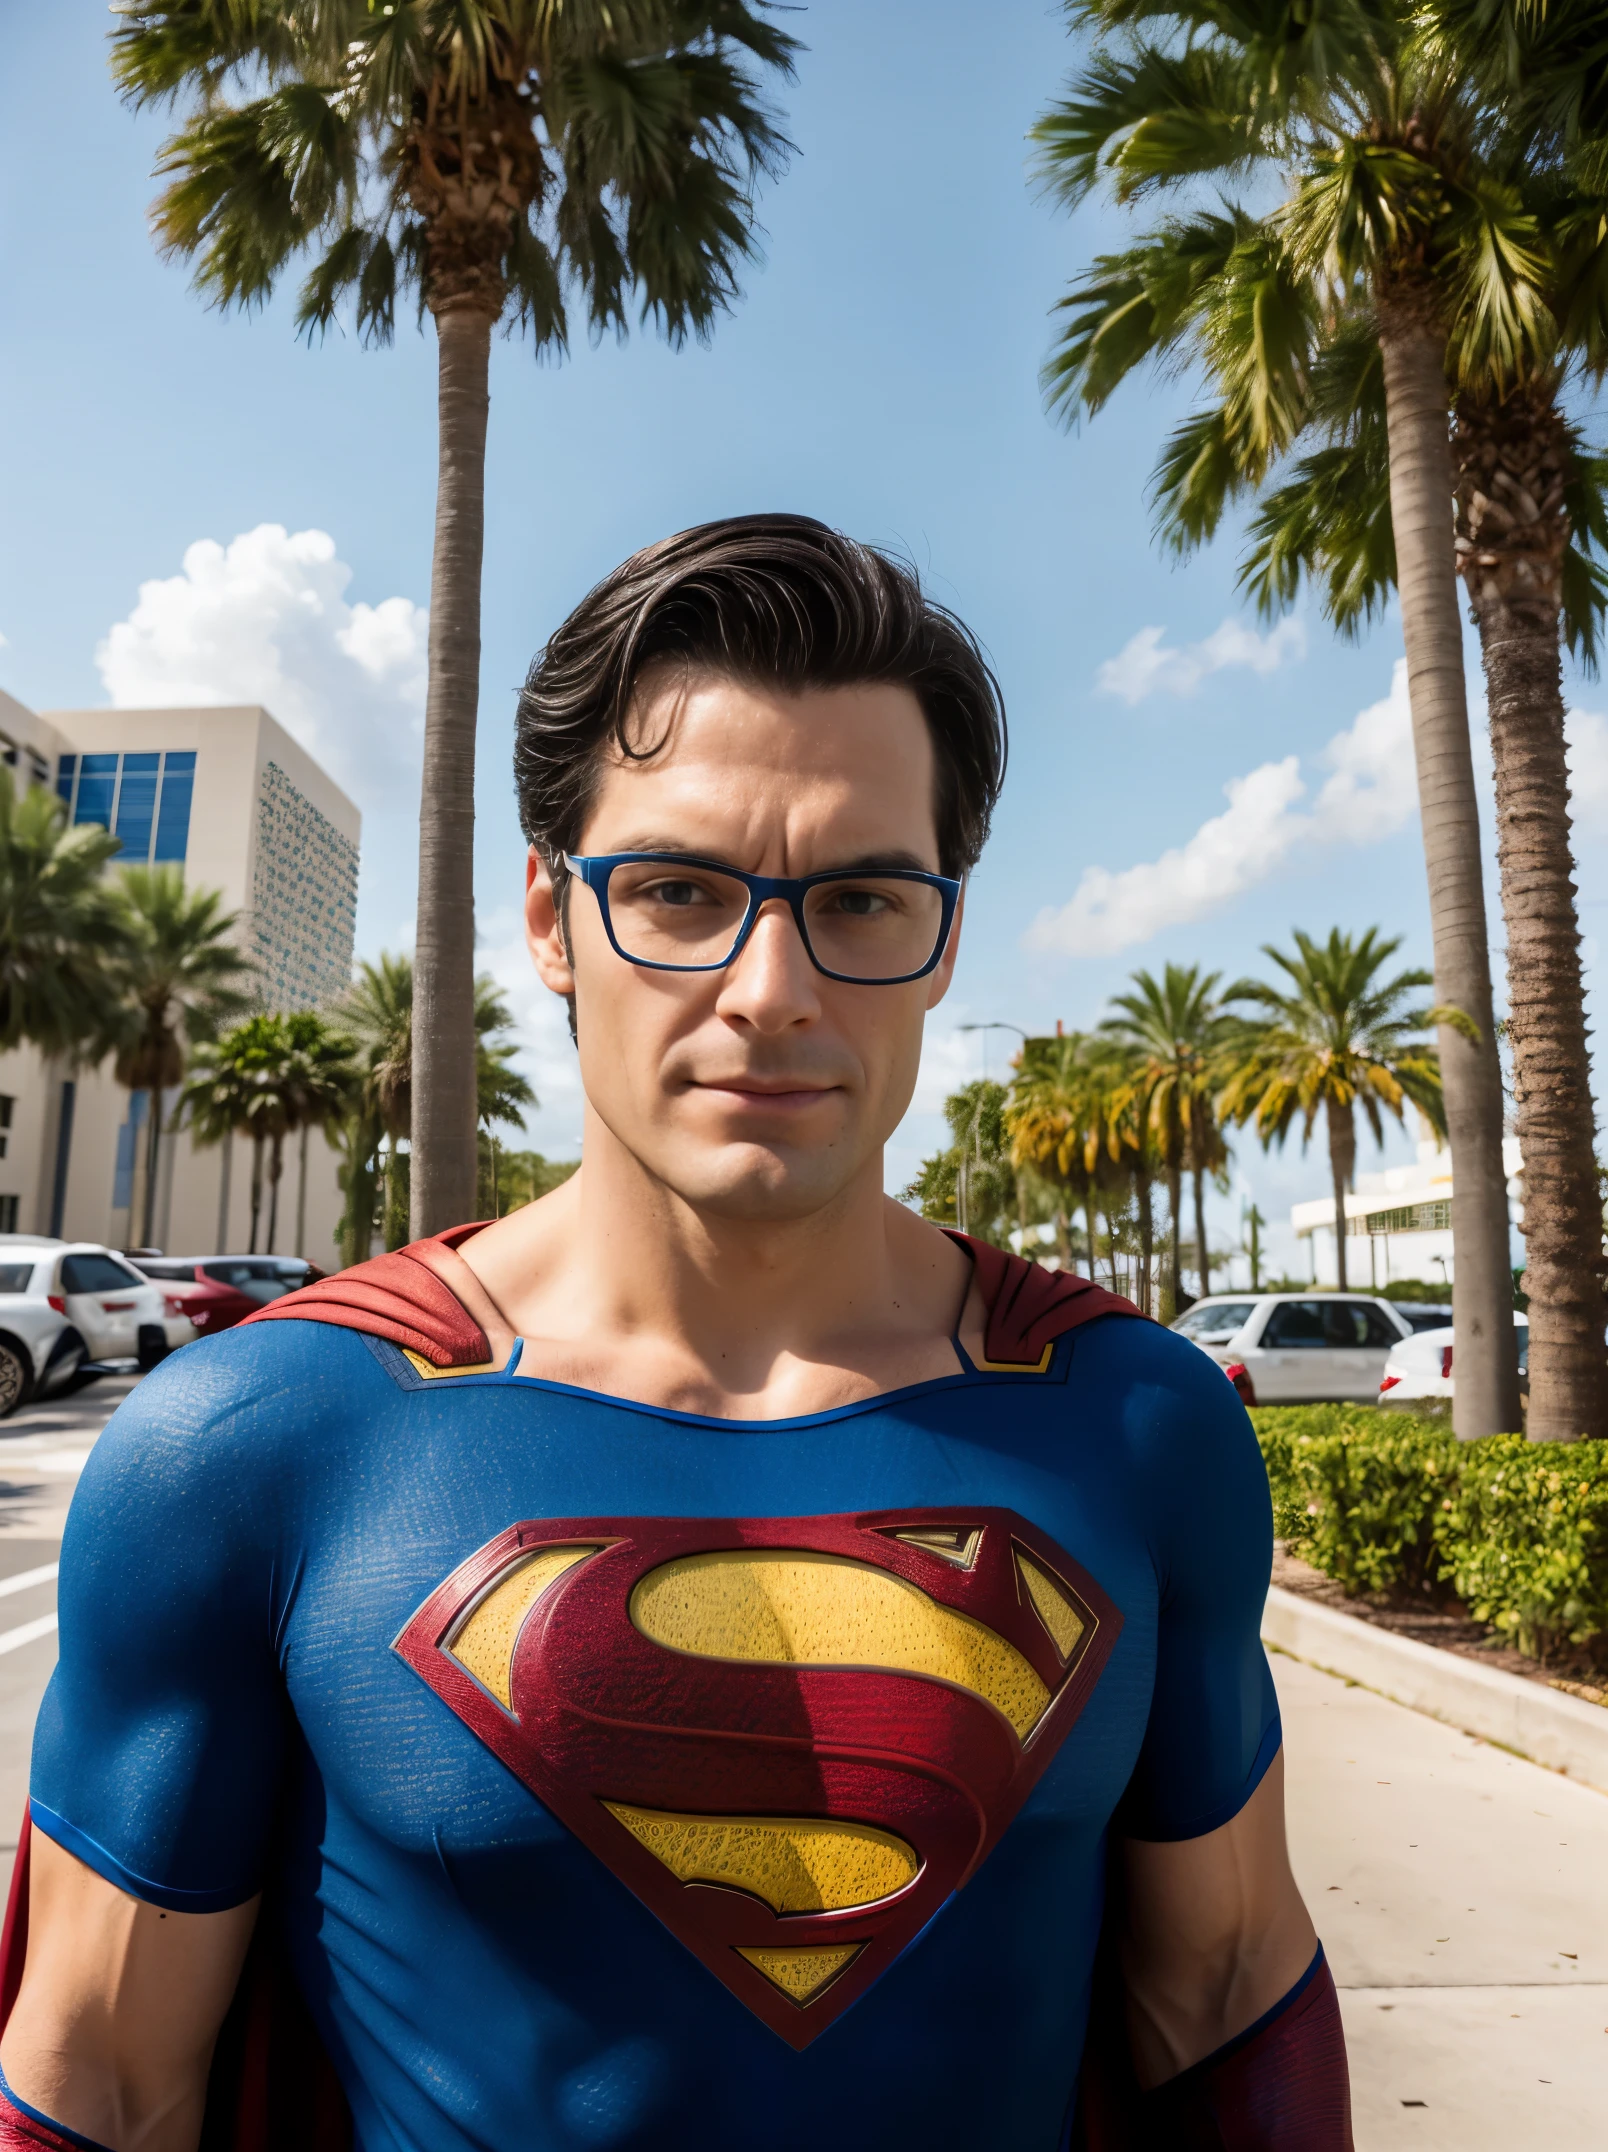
x,y
272,2087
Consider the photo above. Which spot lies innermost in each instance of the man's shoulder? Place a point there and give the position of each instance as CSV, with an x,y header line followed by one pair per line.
x,y
238,1404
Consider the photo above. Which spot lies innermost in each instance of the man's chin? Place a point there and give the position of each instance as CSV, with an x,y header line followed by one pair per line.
x,y
758,1184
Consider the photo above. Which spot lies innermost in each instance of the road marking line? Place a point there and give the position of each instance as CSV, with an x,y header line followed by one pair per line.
x,y
25,1579
14,1639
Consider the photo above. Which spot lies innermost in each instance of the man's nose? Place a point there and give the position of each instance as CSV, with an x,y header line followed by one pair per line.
x,y
772,985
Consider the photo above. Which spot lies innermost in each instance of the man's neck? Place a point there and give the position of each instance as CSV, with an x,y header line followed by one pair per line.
x,y
620,1283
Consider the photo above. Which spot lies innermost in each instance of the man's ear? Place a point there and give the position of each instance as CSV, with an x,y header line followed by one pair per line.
x,y
944,970
544,930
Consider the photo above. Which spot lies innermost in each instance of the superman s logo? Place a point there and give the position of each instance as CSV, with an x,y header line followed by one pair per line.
x,y
794,1738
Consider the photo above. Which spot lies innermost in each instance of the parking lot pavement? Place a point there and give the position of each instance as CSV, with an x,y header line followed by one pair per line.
x,y
42,1452
1462,1897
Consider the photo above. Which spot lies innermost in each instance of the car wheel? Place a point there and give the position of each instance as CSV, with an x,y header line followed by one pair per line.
x,y
13,1382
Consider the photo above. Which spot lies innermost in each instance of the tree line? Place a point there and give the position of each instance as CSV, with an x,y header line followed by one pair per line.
x,y
134,968
1378,244
1098,1122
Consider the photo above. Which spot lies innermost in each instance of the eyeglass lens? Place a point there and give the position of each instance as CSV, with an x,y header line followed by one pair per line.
x,y
866,927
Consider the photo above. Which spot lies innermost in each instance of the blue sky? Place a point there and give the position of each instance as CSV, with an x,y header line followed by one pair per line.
x,y
880,372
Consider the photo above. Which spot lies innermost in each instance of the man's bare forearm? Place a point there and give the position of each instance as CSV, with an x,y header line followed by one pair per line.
x,y
113,2029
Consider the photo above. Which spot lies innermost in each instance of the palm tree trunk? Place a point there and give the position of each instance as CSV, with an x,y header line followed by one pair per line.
x,y
1413,351
1147,1235
301,1196
1342,1171
153,1159
1203,1260
1174,1288
1513,534
444,1148
256,1188
1091,1222
276,1167
224,1179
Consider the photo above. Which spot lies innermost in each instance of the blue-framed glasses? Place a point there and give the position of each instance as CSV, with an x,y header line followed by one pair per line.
x,y
878,926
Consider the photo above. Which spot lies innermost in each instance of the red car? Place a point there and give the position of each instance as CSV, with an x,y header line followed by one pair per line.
x,y
217,1291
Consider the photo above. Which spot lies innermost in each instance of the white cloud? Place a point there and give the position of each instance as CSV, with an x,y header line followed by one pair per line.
x,y
1369,793
1587,736
1147,666
266,620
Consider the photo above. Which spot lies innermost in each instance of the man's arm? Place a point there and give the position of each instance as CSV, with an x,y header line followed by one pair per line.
x,y
112,2033
1213,1934
1226,2034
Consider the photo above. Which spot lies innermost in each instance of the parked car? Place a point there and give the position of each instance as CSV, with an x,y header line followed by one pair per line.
x,y
218,1291
77,1303
40,1352
1419,1371
1297,1348
1424,1314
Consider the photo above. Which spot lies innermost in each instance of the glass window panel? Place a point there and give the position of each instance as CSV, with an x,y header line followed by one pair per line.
x,y
15,1277
136,807
96,1274
97,786
173,816
66,771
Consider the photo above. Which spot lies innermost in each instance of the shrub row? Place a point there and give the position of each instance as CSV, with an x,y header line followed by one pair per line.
x,y
1385,1502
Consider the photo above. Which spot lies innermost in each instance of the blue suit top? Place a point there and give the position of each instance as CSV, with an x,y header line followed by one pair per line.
x,y
630,1778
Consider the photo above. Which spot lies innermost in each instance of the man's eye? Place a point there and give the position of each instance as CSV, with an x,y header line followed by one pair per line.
x,y
680,894
860,903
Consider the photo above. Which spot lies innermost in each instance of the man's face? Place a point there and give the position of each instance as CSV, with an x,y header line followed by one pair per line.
x,y
763,1090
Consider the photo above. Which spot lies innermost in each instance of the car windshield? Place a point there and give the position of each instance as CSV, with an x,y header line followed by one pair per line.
x,y
15,1277
1421,1315
260,1279
96,1274
1214,1318
163,1267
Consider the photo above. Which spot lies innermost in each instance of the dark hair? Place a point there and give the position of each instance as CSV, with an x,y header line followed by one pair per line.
x,y
778,600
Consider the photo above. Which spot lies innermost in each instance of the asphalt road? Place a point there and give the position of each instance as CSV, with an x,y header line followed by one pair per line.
x,y
1462,1893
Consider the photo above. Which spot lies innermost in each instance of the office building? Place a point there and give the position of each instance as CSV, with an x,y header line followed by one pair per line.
x,y
228,795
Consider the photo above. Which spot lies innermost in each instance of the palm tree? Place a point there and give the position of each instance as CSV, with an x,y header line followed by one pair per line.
x,y
60,923
1061,1119
235,1089
1334,1038
177,978
378,1013
1532,508
320,1087
1173,1031
1371,137
972,1185
493,159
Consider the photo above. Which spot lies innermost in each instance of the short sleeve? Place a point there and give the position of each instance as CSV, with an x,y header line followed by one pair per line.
x,y
159,1744
1213,1727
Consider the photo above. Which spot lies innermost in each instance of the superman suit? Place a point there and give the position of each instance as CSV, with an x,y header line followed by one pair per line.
x,y
617,1777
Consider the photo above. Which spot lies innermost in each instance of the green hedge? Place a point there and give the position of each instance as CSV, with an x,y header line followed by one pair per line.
x,y
1384,1501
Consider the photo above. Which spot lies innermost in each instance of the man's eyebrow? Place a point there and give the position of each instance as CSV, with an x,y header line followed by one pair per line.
x,y
863,863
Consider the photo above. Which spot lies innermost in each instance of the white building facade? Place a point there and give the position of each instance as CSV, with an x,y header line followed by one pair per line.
x,y
1399,1221
228,795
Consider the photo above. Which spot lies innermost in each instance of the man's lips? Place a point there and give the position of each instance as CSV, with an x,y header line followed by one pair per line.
x,y
764,1094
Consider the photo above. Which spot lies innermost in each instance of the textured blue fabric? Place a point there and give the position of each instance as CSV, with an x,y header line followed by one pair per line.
x,y
267,1510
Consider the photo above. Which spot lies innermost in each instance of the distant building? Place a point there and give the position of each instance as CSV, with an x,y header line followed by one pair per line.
x,y
228,795
1398,1220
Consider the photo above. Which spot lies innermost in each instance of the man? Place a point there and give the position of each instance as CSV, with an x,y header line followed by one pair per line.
x,y
671,1662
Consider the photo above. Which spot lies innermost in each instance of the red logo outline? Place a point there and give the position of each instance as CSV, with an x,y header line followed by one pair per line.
x,y
600,1713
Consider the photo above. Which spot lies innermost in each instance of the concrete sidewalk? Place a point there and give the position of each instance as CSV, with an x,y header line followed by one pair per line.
x,y
1462,1896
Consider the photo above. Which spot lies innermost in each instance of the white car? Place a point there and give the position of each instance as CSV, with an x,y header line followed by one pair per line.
x,y
1297,1348
114,1312
39,1349
1419,1371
